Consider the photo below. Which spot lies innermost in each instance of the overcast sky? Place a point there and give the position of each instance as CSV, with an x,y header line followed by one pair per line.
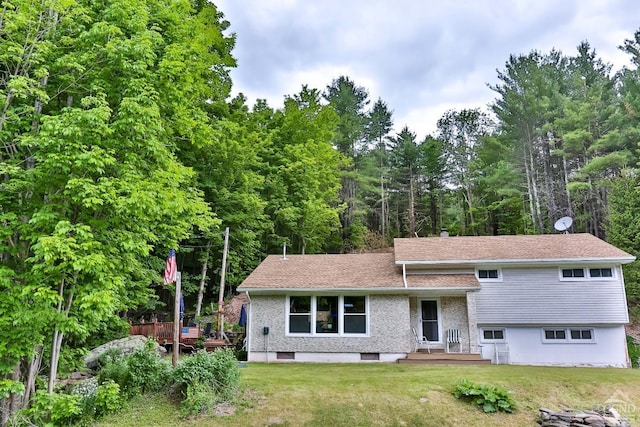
x,y
421,57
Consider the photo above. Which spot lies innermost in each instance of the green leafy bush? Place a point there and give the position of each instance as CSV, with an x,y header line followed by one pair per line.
x,y
147,371
114,367
634,351
107,398
136,373
55,409
87,391
206,378
489,398
199,398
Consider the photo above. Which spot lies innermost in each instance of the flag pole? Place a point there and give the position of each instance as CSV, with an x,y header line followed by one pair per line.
x,y
177,321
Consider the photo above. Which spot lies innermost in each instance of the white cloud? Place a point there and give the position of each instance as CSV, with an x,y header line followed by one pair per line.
x,y
422,58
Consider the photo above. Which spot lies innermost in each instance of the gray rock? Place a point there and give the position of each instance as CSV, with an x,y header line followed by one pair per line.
x,y
126,345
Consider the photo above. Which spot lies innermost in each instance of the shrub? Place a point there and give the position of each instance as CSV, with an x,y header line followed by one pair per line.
x,y
206,378
87,391
199,398
147,371
489,398
54,409
107,398
114,367
136,373
634,351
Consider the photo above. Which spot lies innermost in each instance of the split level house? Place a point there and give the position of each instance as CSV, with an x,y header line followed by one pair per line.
x,y
554,299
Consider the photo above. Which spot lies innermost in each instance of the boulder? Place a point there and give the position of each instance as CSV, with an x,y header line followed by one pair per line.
x,y
125,345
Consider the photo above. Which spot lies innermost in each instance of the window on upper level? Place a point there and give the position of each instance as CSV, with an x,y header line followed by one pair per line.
x,y
600,273
572,272
489,275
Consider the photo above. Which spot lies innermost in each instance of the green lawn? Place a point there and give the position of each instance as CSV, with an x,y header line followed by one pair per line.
x,y
397,395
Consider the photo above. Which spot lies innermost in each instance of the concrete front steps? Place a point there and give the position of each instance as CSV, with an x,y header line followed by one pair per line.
x,y
439,357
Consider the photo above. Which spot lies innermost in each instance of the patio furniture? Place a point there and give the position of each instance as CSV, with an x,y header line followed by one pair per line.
x,y
420,341
453,337
502,350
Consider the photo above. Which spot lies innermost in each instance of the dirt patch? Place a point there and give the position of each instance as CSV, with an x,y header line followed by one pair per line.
x,y
633,329
224,409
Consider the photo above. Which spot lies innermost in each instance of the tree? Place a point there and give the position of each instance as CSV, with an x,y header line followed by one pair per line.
x,y
379,126
623,229
461,133
92,191
302,180
349,101
405,161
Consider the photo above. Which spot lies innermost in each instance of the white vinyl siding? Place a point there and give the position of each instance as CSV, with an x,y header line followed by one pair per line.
x,y
539,296
527,347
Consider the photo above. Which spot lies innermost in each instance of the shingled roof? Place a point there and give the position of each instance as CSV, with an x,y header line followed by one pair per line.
x,y
349,271
384,271
545,247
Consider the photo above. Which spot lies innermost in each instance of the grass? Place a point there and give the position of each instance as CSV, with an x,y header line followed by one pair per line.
x,y
397,395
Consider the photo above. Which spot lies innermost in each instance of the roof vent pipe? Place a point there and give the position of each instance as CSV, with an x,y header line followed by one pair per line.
x,y
284,250
444,232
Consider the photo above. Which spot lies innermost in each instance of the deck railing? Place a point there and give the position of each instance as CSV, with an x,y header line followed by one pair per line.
x,y
163,332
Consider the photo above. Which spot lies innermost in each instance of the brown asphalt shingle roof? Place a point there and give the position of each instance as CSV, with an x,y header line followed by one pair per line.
x,y
325,271
508,248
380,270
351,271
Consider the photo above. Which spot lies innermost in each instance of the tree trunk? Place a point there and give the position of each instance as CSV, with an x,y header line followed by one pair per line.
x,y
412,211
469,200
566,187
34,368
56,343
203,276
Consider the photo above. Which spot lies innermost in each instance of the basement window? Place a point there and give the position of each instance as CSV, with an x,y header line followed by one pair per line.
x,y
568,335
491,335
285,355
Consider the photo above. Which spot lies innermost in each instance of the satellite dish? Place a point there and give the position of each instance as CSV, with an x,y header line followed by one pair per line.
x,y
563,224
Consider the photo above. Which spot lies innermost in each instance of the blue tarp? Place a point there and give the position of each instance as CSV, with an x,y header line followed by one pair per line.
x,y
243,316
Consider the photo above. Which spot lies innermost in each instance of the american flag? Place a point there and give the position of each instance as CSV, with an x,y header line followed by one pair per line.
x,y
171,269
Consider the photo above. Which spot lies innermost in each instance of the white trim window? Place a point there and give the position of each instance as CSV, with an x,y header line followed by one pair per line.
x,y
601,273
489,274
493,335
327,315
574,335
583,273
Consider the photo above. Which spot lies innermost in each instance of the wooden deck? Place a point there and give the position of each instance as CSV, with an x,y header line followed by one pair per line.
x,y
439,357
163,333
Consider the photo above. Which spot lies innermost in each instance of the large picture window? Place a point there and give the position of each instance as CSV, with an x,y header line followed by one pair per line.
x,y
326,315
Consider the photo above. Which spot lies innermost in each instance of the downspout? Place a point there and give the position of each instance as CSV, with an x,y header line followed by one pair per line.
x,y
404,275
248,335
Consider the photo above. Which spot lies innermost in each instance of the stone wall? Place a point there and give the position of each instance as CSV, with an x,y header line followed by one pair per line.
x,y
607,417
